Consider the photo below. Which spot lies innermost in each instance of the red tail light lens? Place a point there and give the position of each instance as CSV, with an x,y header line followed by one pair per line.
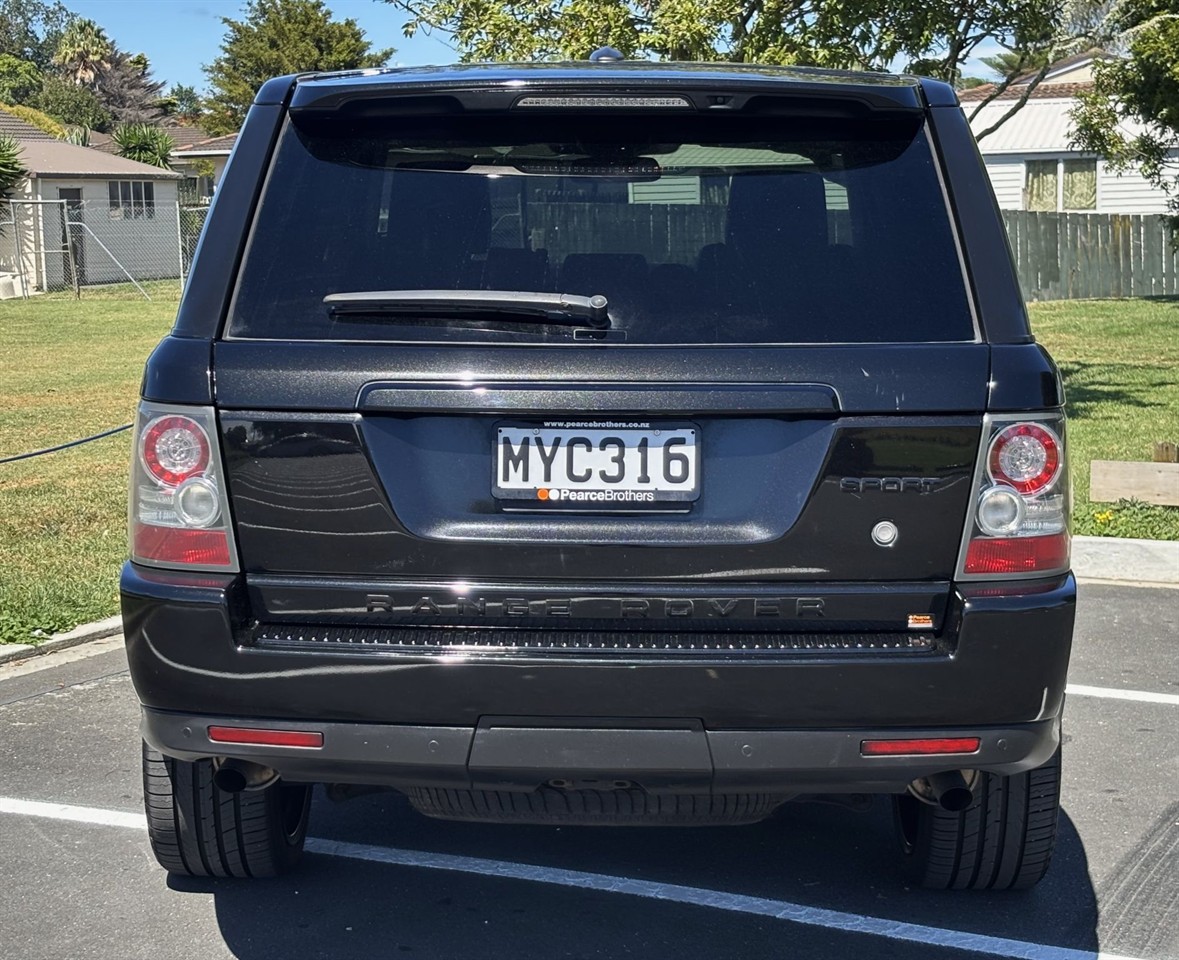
x,y
270,738
174,449
1017,554
181,545
1025,455
919,747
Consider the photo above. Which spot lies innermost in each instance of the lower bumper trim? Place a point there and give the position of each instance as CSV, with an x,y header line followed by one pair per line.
x,y
667,756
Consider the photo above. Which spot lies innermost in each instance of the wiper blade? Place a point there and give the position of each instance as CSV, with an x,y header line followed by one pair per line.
x,y
505,306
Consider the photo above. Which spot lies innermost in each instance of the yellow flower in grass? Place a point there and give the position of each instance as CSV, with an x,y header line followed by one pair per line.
x,y
1103,516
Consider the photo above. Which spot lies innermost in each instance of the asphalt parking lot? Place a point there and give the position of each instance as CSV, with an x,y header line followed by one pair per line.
x,y
77,879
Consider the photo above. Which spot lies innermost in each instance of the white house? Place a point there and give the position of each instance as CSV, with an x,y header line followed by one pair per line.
x,y
86,217
1030,158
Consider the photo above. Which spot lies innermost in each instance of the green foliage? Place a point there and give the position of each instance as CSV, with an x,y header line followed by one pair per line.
x,y
934,39
78,136
276,37
1128,518
126,91
70,104
19,79
37,119
185,103
12,171
83,50
30,30
1143,86
144,143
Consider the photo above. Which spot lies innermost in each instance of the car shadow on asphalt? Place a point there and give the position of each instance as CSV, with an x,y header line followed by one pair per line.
x,y
810,854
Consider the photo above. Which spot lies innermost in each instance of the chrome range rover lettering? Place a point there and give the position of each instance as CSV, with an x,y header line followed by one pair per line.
x,y
639,608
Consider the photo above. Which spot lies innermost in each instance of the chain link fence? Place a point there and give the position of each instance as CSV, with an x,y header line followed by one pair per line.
x,y
127,247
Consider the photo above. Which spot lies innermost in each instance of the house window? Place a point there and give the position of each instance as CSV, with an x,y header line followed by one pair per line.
x,y
1060,185
1039,190
131,199
1078,185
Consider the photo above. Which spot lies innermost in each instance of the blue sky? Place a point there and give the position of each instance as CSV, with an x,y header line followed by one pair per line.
x,y
179,36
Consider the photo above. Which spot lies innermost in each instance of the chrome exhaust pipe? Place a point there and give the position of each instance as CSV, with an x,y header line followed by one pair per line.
x,y
950,790
234,776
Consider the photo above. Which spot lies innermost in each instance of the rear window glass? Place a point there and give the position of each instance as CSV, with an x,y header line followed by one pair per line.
x,y
699,230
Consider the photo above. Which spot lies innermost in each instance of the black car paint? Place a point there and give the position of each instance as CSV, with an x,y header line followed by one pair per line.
x,y
1002,652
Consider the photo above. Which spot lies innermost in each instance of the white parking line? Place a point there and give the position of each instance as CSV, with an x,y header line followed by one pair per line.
x,y
646,889
1114,693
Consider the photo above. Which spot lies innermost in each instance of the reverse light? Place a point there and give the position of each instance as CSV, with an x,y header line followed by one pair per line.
x,y
178,515
1019,523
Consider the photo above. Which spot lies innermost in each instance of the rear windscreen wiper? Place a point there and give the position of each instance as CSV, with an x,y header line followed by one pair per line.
x,y
506,306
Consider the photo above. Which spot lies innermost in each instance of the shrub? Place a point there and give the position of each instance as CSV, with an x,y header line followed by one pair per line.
x,y
145,143
42,121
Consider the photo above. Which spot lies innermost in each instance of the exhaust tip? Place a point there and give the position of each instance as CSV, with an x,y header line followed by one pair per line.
x,y
956,799
234,776
229,779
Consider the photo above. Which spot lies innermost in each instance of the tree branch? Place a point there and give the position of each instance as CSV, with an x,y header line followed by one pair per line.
x,y
1016,107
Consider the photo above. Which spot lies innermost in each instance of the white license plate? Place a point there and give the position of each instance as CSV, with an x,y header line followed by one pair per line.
x,y
597,467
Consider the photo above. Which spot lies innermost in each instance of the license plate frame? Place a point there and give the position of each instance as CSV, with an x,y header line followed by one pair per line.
x,y
518,487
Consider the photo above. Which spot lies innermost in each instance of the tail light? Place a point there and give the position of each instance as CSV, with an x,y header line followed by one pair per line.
x,y
1018,523
178,514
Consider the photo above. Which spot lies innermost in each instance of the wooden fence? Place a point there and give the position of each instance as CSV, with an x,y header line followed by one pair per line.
x,y
1068,256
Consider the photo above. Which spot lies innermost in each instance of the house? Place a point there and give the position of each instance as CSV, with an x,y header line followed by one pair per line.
x,y
85,217
192,145
1031,160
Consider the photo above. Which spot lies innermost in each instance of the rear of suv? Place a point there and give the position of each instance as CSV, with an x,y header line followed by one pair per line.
x,y
612,443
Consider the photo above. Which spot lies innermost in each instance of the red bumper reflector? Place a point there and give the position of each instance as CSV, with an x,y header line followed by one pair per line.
x,y
269,738
181,545
1016,554
926,747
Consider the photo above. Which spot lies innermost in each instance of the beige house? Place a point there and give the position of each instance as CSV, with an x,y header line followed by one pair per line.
x,y
85,217
1030,157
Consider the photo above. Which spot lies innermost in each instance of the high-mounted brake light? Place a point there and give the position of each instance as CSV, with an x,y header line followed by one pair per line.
x,y
178,513
1018,525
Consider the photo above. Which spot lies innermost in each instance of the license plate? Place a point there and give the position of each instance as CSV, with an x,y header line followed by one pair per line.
x,y
597,466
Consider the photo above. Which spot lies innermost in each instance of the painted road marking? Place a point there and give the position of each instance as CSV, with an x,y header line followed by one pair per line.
x,y
646,889
1113,693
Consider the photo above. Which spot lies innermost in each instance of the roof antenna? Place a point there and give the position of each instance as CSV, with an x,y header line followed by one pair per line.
x,y
605,55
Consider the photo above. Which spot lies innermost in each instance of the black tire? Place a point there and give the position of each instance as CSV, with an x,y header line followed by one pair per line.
x,y
623,807
198,830
1002,841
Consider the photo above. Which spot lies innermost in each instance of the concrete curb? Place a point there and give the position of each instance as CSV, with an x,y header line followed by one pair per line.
x,y
1120,558
1094,558
98,630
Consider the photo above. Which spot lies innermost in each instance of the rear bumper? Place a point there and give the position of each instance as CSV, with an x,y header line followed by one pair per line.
x,y
669,758
187,641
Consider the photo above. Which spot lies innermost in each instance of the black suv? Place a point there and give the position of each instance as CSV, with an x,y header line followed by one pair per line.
x,y
602,443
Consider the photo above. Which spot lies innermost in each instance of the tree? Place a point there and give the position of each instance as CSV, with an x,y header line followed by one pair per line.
x,y
70,104
277,37
84,50
19,79
12,171
30,30
144,143
126,91
1141,89
185,104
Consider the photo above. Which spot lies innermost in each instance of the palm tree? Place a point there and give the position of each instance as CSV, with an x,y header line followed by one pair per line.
x,y
84,50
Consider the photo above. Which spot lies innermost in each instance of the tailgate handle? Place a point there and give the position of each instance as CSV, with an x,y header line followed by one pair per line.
x,y
520,397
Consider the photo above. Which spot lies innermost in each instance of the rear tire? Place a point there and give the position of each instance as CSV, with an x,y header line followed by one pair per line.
x,y
1002,841
198,830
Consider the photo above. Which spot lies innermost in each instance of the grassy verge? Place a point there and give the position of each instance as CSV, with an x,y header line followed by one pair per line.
x,y
1120,360
71,370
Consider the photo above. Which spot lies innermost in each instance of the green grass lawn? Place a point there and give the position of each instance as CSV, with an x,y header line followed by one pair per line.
x,y
1120,360
72,369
